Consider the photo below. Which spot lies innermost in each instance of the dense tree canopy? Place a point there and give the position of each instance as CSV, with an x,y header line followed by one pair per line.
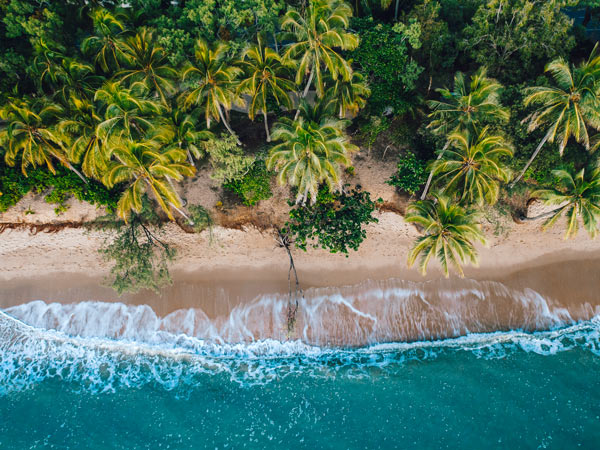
x,y
117,104
513,37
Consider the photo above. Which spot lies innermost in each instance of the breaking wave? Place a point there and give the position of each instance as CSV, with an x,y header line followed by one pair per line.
x,y
29,356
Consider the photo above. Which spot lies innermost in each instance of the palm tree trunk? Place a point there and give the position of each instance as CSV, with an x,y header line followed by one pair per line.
x,y
190,221
190,159
537,150
305,91
430,178
396,9
541,216
77,172
275,40
227,125
266,125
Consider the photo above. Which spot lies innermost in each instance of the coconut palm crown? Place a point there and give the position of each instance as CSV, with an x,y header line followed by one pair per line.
x,y
147,168
310,154
318,35
78,129
471,167
148,64
30,134
449,234
349,96
265,76
577,197
467,105
125,112
567,108
106,45
212,83
187,135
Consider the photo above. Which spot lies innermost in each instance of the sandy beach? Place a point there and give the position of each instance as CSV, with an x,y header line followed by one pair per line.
x,y
238,260
218,270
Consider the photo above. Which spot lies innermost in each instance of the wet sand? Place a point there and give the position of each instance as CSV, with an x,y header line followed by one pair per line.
x,y
569,279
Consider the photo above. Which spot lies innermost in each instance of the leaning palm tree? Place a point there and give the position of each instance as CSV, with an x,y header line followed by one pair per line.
x,y
568,107
577,196
77,79
471,166
30,134
350,96
310,154
106,45
46,69
147,168
186,135
265,76
450,233
212,83
78,128
466,106
126,113
148,63
318,35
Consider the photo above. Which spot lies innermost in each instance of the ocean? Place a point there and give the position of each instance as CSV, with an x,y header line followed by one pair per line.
x,y
112,376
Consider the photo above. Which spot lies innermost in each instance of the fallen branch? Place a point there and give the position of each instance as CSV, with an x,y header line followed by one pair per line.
x,y
284,241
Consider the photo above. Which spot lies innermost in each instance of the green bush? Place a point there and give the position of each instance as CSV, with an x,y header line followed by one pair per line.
x,y
384,56
14,185
254,186
410,176
335,222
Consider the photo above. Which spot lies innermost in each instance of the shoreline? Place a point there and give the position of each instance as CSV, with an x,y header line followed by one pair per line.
x,y
367,312
218,290
226,269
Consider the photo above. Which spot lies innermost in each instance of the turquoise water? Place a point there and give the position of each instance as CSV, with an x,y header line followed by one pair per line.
x,y
481,391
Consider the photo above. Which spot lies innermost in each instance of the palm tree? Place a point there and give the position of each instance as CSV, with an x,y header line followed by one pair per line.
x,y
578,196
466,106
264,77
29,133
148,63
471,166
78,79
568,107
107,44
187,136
78,128
46,68
213,87
309,154
450,233
318,35
349,95
125,112
147,169
321,110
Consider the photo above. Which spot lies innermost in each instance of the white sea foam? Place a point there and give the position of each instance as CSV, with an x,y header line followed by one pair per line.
x,y
360,315
30,355
101,346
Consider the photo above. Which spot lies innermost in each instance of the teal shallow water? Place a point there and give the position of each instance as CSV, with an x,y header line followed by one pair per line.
x,y
499,390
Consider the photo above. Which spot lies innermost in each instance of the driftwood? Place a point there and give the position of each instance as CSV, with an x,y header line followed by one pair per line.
x,y
284,241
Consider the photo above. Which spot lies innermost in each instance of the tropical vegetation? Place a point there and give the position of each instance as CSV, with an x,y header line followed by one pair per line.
x,y
124,106
450,233
577,197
